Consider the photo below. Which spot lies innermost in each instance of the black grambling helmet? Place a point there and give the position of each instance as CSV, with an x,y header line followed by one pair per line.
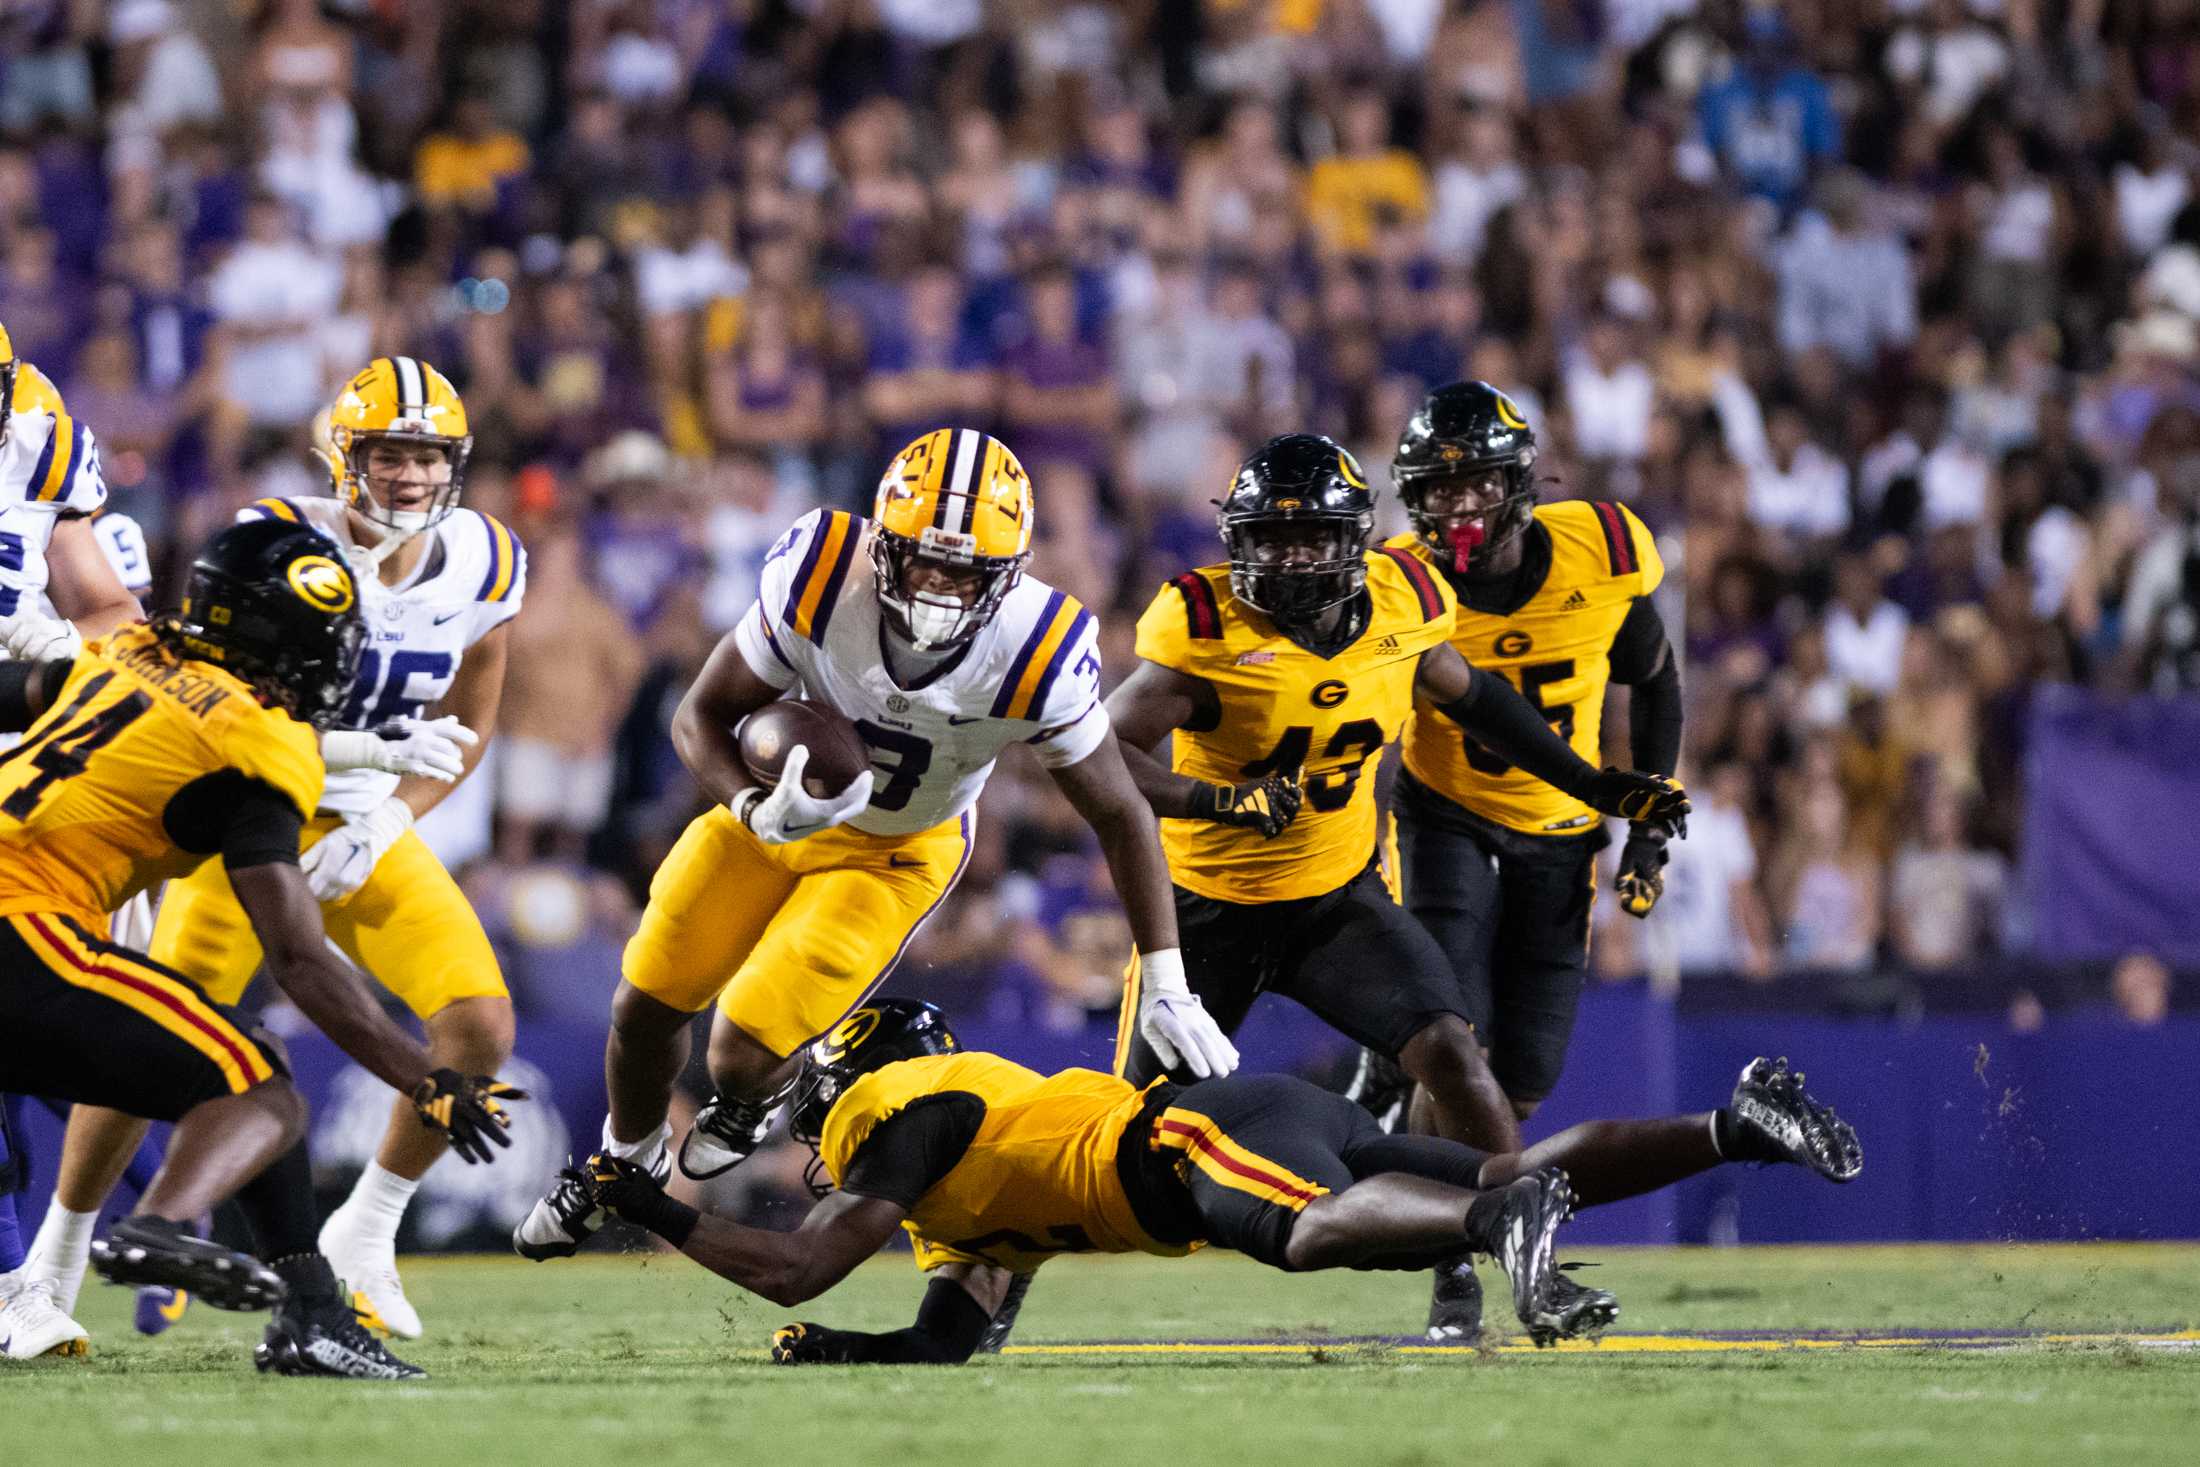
x,y
1299,488
871,1038
1464,431
274,603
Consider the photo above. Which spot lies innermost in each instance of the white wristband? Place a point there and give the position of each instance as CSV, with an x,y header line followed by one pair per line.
x,y
1162,971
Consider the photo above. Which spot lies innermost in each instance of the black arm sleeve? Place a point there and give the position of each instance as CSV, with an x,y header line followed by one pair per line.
x,y
248,820
1642,657
909,1152
1512,728
27,689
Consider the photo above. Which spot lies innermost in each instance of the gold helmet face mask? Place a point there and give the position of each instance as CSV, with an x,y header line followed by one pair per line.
x,y
956,498
404,402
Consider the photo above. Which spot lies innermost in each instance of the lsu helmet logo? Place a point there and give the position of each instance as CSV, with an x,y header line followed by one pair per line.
x,y
846,1037
321,583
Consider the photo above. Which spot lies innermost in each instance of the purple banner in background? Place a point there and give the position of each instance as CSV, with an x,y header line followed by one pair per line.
x,y
2112,827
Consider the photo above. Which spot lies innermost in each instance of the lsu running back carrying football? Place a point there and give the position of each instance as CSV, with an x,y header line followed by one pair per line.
x,y
784,908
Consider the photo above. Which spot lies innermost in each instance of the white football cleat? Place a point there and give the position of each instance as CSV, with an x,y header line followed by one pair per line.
x,y
33,1324
369,1274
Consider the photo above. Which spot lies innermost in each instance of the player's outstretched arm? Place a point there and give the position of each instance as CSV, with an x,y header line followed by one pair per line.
x,y
1169,1013
1155,701
1487,706
1103,791
287,919
1642,658
958,1304
725,692
786,1268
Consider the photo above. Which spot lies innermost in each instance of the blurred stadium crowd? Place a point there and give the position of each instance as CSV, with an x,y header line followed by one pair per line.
x,y
1885,316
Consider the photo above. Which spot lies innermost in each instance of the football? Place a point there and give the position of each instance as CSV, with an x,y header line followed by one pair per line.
x,y
837,754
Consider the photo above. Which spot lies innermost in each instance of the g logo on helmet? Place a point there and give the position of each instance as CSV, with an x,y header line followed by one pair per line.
x,y
1508,414
847,1036
1350,470
321,583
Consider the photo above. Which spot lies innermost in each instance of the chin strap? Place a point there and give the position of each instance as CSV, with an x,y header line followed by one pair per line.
x,y
368,559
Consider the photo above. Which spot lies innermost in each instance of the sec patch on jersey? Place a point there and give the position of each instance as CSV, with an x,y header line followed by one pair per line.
x,y
837,752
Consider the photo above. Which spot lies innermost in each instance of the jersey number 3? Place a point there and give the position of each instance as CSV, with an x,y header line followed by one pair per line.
x,y
65,748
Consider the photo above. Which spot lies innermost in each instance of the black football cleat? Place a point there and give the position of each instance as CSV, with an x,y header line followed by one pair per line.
x,y
1575,1311
726,1131
1455,1305
1004,1318
1526,1239
149,1250
1381,1089
1775,1120
811,1344
327,1338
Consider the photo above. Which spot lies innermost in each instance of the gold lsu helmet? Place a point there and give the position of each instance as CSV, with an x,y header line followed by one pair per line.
x,y
403,400
959,498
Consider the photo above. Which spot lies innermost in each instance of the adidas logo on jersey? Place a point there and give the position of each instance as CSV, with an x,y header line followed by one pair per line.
x,y
1574,602
1387,644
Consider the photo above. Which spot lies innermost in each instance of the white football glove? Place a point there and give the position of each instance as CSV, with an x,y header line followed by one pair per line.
x,y
340,862
790,813
34,637
428,747
1176,1023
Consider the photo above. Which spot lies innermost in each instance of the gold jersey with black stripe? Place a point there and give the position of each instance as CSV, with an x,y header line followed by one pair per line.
x,y
1038,1172
1556,649
88,814
1286,708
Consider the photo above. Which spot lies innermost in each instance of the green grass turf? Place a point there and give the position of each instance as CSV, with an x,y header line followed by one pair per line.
x,y
650,1362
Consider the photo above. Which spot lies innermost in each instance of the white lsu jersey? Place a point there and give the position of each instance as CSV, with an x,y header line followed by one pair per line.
x,y
468,584
49,470
1031,675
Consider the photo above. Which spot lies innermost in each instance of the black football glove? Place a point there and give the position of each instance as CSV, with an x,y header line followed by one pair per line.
x,y
1645,799
619,1185
1266,805
812,1344
1641,878
466,1109
631,1191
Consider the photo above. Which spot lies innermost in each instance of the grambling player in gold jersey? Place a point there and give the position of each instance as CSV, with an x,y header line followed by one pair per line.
x,y
149,751
993,1169
1282,675
1499,865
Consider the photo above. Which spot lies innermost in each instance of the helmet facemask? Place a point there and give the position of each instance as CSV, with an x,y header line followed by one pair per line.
x,y
932,621
1291,588
355,454
7,395
1462,535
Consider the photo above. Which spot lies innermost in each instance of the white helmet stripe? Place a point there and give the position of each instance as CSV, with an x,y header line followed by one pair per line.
x,y
959,510
412,388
